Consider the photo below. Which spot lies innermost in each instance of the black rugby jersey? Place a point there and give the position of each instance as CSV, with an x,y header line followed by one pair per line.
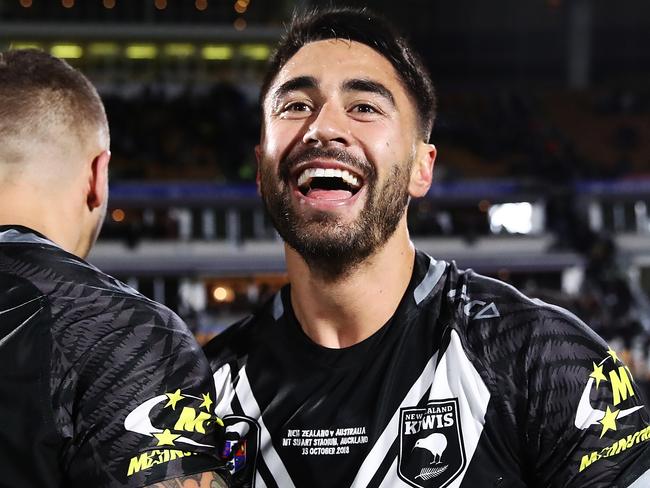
x,y
469,384
99,386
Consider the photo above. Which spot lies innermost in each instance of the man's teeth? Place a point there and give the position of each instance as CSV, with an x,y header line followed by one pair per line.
x,y
309,173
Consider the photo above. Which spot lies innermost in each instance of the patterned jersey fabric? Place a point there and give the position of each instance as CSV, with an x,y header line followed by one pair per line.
x,y
469,384
99,386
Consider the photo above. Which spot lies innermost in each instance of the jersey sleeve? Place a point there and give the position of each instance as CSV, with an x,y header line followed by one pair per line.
x,y
587,424
137,408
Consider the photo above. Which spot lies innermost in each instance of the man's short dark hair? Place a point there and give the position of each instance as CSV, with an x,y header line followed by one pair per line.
x,y
366,28
39,93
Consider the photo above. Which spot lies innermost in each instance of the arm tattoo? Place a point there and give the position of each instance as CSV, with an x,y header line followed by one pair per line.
x,y
201,480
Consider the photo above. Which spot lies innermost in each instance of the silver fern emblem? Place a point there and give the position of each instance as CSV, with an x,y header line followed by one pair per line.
x,y
428,473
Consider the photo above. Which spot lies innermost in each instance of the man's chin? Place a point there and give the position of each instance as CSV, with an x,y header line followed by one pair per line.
x,y
330,250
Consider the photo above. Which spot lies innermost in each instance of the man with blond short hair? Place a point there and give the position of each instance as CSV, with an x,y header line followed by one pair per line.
x,y
99,386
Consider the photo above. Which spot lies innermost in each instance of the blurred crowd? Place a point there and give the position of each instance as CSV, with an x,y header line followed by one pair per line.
x,y
175,132
545,137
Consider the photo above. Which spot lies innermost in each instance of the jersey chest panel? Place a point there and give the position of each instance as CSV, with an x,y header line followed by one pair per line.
x,y
410,411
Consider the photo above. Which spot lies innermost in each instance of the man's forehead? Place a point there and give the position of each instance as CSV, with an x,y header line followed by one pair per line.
x,y
337,59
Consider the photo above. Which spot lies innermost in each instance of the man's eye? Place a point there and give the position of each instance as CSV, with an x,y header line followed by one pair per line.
x,y
296,107
364,108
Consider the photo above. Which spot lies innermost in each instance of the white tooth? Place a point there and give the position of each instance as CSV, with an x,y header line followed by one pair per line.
x,y
319,172
306,175
350,179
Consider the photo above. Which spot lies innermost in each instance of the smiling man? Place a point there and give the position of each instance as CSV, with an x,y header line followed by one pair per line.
x,y
379,366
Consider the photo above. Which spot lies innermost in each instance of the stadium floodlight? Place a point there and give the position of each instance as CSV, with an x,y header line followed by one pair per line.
x,y
67,51
141,51
258,52
25,45
103,49
177,50
217,52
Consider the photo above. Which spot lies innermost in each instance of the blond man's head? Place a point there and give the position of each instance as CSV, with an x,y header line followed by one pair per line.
x,y
48,110
54,148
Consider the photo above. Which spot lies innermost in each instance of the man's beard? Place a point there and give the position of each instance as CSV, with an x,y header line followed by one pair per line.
x,y
332,248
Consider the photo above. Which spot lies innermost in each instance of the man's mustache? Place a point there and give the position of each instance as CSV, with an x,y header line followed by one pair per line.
x,y
363,167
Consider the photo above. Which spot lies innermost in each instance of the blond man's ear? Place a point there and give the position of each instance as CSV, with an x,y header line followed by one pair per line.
x,y
98,181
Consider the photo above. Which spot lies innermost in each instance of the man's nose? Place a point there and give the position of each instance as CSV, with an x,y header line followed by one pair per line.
x,y
329,126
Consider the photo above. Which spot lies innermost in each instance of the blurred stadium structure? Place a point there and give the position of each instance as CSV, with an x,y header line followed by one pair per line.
x,y
543,177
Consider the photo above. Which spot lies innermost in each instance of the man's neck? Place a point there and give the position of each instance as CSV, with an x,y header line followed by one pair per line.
x,y
48,217
343,312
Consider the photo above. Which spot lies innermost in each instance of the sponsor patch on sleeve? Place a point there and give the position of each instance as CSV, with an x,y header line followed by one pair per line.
x,y
176,423
608,405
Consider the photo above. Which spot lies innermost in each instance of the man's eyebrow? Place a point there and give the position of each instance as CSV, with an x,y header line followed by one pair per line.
x,y
365,85
298,83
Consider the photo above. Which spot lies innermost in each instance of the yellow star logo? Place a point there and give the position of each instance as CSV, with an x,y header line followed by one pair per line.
x,y
598,375
609,421
166,438
613,354
173,399
207,401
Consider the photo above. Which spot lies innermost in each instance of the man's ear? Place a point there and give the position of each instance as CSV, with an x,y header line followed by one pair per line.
x,y
98,181
258,155
422,171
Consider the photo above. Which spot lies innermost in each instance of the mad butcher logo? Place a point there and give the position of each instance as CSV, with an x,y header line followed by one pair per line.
x,y
431,451
610,387
184,419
